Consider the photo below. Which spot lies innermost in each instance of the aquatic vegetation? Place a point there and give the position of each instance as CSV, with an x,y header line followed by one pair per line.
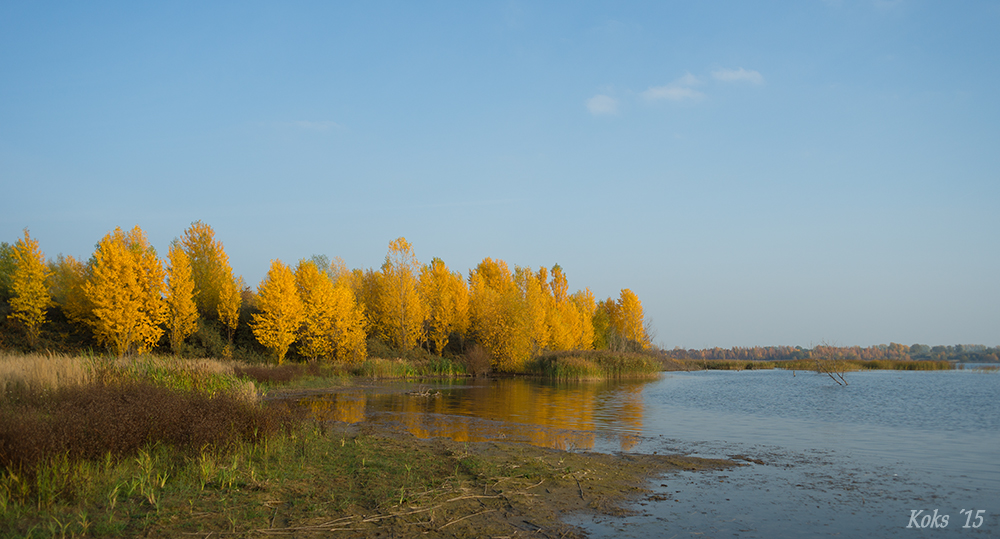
x,y
727,364
594,365
881,364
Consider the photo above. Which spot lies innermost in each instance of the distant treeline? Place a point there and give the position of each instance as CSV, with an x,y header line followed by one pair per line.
x,y
971,353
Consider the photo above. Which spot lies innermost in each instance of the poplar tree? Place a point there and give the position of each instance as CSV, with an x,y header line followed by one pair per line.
x,y
446,297
400,309
281,312
125,287
66,285
334,325
497,317
209,268
230,300
627,319
30,295
182,314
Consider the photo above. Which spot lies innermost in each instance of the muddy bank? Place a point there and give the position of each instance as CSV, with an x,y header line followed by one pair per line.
x,y
486,489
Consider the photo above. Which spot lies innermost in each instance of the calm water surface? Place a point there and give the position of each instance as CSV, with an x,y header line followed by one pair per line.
x,y
828,460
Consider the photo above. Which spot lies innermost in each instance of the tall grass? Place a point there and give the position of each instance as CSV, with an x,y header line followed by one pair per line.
x,y
65,421
43,371
594,365
881,364
727,364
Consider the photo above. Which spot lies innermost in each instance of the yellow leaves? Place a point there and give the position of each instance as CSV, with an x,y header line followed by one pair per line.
x,y
30,295
125,287
497,315
213,278
447,300
182,315
323,305
333,324
399,311
281,309
229,302
66,285
626,319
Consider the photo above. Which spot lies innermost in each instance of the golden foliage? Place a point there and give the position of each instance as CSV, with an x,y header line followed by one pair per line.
x,y
447,299
30,295
497,315
277,325
66,285
627,319
334,325
209,269
399,314
533,292
585,309
125,287
182,314
230,298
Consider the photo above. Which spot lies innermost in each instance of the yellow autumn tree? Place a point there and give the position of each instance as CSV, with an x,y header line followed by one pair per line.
x,y
316,290
230,299
182,314
564,317
400,311
585,309
281,311
446,297
125,287
497,318
349,325
209,268
536,305
334,325
30,294
627,320
68,276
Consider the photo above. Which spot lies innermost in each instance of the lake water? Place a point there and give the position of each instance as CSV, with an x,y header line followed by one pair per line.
x,y
826,460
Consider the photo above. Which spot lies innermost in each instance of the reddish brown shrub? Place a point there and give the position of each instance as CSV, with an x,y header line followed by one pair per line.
x,y
89,422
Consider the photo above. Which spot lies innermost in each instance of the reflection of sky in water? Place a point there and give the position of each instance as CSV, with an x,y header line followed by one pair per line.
x,y
586,415
887,443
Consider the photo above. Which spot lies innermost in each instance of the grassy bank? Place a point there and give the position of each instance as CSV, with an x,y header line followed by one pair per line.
x,y
163,448
594,365
311,481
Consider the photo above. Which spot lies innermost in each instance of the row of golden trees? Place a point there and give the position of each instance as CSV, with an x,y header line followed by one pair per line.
x,y
131,300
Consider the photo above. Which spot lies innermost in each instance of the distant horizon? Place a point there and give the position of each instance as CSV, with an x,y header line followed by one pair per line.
x,y
798,172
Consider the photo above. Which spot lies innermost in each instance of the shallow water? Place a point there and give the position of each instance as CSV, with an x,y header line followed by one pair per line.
x,y
850,461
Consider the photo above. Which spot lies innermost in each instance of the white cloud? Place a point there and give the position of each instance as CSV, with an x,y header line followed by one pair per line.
x,y
678,90
738,75
602,104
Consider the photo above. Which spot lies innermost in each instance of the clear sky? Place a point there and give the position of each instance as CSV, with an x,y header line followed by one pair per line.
x,y
757,172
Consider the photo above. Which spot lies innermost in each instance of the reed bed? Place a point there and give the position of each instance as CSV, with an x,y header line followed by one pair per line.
x,y
858,364
727,364
594,365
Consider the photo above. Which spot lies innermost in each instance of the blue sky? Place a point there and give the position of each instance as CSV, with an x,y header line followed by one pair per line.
x,y
758,173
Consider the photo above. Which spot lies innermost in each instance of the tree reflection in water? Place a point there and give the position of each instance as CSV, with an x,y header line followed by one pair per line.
x,y
561,416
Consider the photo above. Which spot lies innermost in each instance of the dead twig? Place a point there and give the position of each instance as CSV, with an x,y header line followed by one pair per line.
x,y
465,517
